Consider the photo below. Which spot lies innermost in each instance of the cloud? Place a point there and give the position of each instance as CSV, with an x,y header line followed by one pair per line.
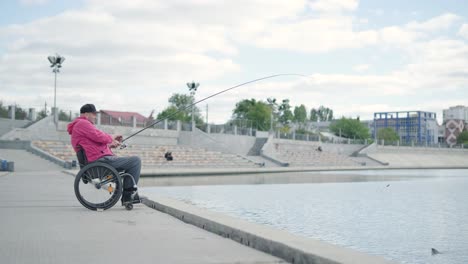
x,y
463,32
361,67
316,35
334,5
438,23
132,55
33,2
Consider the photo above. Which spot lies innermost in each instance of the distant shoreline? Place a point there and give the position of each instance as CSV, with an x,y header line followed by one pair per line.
x,y
276,177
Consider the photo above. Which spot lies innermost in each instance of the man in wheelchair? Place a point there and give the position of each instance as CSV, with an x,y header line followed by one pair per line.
x,y
97,146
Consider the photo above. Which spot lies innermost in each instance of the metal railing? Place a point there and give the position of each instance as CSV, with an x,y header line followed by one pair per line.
x,y
420,144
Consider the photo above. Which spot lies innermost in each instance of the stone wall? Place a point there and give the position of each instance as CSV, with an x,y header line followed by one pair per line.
x,y
6,125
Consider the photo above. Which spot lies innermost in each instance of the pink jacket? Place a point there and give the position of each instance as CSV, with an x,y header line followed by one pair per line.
x,y
94,142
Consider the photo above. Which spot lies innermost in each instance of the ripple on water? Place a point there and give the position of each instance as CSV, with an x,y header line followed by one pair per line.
x,y
401,222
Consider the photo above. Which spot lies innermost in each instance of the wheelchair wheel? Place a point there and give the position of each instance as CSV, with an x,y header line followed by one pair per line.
x,y
98,186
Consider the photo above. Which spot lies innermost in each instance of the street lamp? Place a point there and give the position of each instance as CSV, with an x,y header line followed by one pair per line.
x,y
56,64
193,89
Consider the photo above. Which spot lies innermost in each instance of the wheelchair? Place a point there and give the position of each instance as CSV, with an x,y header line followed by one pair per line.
x,y
99,186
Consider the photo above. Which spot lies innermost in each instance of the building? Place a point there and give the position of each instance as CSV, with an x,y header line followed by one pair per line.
x,y
453,128
455,119
114,118
416,127
458,112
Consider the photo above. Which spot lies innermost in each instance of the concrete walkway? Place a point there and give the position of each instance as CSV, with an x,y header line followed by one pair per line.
x,y
42,222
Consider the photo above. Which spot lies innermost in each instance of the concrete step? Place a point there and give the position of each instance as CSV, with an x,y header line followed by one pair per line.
x,y
26,161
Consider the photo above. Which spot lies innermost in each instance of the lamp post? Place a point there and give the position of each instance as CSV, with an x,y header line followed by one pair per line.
x,y
56,64
193,86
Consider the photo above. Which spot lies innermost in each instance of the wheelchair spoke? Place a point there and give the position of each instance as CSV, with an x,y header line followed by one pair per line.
x,y
101,187
108,180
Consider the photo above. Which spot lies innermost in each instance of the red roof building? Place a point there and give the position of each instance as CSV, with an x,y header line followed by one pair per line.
x,y
109,117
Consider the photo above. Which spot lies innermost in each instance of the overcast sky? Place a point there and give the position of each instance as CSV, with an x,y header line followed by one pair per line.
x,y
361,56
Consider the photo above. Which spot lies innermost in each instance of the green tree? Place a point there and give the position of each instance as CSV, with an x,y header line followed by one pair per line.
x,y
179,109
388,134
463,138
325,113
313,115
300,114
258,112
42,114
350,128
64,116
20,113
285,114
321,114
172,113
3,110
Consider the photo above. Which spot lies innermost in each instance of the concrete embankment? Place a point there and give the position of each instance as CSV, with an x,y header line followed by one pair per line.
x,y
42,222
292,248
65,232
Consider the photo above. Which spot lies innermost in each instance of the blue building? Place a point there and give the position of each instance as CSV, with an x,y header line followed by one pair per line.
x,y
416,127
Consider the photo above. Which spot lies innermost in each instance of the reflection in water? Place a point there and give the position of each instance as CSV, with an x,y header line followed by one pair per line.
x,y
291,177
402,220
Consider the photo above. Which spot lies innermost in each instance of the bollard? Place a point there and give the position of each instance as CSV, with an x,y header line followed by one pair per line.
x,y
11,166
4,165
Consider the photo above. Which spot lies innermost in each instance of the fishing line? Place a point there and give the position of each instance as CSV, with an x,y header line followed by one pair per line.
x,y
206,98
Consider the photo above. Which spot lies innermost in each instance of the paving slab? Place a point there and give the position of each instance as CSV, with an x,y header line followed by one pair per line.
x,y
42,222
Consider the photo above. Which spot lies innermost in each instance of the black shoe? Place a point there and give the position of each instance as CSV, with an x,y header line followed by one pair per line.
x,y
136,198
126,197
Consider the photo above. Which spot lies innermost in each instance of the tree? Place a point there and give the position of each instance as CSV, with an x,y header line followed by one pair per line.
x,y
330,115
300,114
463,138
321,114
325,113
258,112
172,113
64,116
179,109
313,115
42,114
285,114
350,128
20,113
388,134
3,110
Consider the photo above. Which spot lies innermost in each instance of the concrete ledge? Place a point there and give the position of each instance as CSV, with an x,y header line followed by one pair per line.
x,y
14,144
276,161
376,160
292,248
155,172
176,172
27,145
45,155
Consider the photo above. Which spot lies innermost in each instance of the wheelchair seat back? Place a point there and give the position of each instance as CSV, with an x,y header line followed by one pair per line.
x,y
81,155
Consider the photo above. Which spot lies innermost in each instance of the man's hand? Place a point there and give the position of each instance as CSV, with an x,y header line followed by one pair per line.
x,y
115,143
119,138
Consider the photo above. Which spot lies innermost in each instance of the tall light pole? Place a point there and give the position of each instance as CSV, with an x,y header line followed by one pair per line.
x,y
56,64
193,86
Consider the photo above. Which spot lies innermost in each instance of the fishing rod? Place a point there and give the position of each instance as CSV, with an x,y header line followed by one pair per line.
x,y
206,98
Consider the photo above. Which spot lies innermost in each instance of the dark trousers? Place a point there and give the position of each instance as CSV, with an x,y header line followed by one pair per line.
x,y
131,165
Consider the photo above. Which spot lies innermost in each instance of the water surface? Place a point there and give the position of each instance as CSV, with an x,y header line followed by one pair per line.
x,y
399,220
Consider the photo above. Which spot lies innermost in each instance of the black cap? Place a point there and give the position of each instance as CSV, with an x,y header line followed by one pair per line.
x,y
88,108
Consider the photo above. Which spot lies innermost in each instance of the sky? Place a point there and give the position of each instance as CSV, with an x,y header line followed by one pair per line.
x,y
358,57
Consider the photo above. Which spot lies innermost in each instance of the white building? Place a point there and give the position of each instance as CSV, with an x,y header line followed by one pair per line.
x,y
458,112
